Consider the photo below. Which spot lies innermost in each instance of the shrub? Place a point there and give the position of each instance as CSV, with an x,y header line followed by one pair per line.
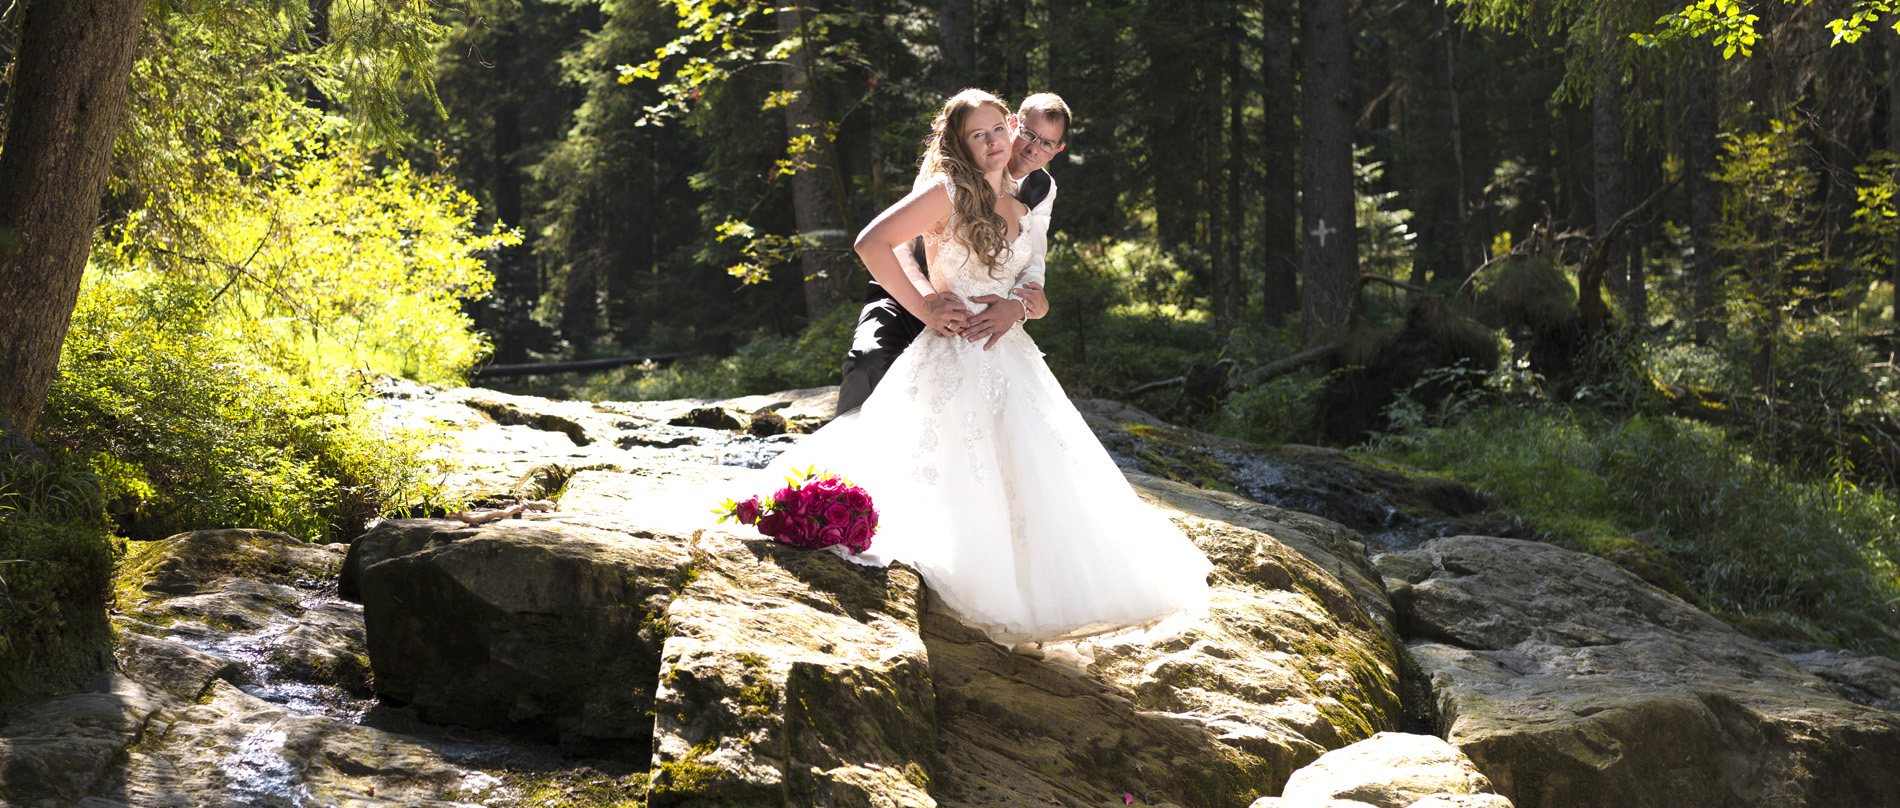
x,y
56,554
186,431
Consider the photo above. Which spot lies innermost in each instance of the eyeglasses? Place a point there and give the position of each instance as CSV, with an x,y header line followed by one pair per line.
x,y
1036,140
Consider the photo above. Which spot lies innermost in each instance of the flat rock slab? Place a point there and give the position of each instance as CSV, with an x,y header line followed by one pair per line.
x,y
1571,682
1389,770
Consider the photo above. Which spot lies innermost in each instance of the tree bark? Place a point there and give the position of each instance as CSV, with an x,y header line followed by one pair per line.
x,y
1331,249
1279,242
956,23
1699,148
1439,254
1606,113
1893,145
1236,164
817,201
1018,50
71,73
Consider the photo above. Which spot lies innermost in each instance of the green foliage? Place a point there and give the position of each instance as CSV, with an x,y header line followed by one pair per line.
x,y
1753,542
323,260
1728,25
56,554
188,431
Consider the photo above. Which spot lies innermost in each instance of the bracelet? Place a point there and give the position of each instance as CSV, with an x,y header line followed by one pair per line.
x,y
1020,302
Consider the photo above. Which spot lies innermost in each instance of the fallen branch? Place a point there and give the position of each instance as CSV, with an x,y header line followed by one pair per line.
x,y
482,516
1281,367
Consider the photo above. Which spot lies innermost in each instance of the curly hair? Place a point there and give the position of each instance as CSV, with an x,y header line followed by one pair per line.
x,y
976,223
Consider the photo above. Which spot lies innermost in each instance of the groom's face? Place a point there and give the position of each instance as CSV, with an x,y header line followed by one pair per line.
x,y
1038,139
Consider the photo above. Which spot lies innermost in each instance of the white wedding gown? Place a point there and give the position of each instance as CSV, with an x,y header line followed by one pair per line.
x,y
988,481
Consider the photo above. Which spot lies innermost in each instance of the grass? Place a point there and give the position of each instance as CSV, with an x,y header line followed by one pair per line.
x,y
1780,557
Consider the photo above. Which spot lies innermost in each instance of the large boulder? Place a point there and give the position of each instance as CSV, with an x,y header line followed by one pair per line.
x,y
1571,682
550,629
1297,656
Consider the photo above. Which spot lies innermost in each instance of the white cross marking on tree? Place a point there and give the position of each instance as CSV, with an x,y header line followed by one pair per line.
x,y
1322,230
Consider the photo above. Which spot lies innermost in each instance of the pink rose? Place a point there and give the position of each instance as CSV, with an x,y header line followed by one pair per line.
x,y
836,513
858,536
856,499
772,524
830,535
825,485
787,497
747,511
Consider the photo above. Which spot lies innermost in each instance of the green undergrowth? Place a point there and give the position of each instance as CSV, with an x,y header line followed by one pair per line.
x,y
811,358
1780,557
56,555
187,430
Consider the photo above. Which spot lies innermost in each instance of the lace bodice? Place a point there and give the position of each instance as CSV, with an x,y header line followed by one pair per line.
x,y
957,271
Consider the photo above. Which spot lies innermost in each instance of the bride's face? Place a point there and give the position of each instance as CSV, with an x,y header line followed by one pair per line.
x,y
987,138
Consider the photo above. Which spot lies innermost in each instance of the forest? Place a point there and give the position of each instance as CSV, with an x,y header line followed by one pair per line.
x,y
1630,267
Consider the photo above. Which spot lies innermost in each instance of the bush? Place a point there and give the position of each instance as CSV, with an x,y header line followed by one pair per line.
x,y
813,358
1773,553
187,431
56,553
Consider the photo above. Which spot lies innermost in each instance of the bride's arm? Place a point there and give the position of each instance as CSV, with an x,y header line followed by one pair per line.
x,y
925,209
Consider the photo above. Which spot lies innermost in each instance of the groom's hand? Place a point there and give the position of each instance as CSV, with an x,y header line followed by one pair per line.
x,y
1034,301
946,313
995,321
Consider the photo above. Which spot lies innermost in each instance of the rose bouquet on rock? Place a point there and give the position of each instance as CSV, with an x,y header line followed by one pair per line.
x,y
813,511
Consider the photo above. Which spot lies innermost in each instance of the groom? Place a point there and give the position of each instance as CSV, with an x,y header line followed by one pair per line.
x,y
885,328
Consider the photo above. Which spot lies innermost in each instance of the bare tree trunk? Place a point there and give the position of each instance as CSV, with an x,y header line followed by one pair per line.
x,y
1699,146
956,22
1607,135
817,197
1018,50
1236,164
1279,244
1893,145
73,66
1331,247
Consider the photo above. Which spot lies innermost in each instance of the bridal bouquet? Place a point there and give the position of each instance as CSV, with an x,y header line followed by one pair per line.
x,y
813,511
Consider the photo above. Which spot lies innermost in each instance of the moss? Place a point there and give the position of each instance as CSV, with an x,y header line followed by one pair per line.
x,y
686,777
579,787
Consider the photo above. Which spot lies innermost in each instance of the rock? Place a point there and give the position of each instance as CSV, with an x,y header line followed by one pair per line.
x,y
766,423
234,749
1570,682
174,668
547,628
1388,770
54,751
710,418
793,676
508,413
1215,713
661,437
189,562
1859,678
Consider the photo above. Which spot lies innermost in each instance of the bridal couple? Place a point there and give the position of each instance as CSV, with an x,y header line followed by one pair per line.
x,y
989,482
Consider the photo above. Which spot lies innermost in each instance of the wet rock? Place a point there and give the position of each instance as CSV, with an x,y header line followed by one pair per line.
x,y
1859,678
661,437
187,563
1213,712
766,423
550,629
234,749
710,418
52,753
171,667
1389,770
1569,681
509,413
792,675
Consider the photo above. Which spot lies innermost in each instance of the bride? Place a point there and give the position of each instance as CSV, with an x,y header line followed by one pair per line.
x,y
987,479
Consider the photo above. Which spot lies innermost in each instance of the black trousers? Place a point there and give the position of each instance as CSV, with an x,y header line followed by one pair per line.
x,y
885,329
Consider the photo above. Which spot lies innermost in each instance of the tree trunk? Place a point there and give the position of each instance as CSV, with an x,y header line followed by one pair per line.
x,y
1331,247
1018,50
817,198
1893,145
1439,254
1279,227
956,23
73,66
1606,112
1704,200
1236,164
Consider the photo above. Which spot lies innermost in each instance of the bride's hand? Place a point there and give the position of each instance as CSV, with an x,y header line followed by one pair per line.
x,y
946,313
995,321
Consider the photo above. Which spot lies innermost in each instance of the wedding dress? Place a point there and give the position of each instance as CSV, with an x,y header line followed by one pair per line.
x,y
992,486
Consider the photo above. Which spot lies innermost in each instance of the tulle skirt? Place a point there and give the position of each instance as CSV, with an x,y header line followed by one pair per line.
x,y
991,485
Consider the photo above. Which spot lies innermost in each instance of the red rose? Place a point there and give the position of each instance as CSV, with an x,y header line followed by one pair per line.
x,y
772,524
827,485
787,497
836,513
856,499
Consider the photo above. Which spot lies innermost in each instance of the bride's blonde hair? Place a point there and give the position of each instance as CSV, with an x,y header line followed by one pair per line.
x,y
977,225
